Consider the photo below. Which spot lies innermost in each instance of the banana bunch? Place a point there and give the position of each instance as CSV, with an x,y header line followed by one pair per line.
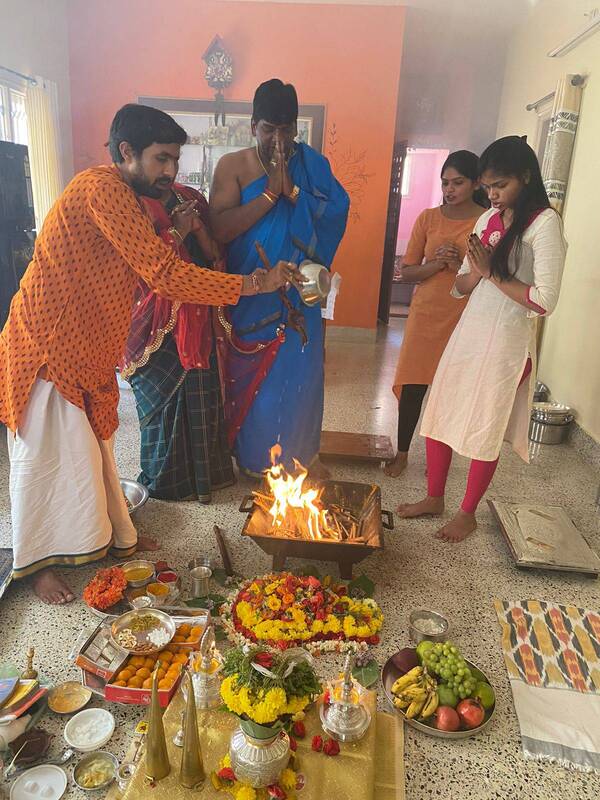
x,y
416,694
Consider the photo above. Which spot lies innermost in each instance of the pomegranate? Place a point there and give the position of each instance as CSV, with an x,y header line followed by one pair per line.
x,y
446,719
471,713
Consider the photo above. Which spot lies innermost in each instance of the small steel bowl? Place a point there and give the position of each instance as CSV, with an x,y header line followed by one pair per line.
x,y
416,631
135,493
101,755
316,289
139,564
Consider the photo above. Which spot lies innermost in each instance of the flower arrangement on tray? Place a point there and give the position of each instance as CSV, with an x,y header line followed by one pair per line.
x,y
224,779
267,689
282,610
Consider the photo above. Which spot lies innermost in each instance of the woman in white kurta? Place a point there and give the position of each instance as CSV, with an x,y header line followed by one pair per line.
x,y
482,390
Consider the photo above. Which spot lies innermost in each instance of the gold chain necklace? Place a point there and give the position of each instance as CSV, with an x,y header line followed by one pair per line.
x,y
261,161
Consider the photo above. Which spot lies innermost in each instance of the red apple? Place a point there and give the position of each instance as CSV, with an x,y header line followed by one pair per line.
x,y
446,719
471,713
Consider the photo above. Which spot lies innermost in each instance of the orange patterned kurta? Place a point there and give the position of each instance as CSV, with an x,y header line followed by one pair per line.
x,y
73,309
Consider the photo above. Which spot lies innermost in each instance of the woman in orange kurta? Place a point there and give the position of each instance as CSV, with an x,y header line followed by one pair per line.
x,y
434,254
65,334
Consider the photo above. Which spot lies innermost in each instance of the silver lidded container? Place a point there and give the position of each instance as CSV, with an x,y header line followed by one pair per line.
x,y
346,718
550,423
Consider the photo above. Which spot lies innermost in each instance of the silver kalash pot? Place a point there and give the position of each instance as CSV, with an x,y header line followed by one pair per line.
x,y
258,754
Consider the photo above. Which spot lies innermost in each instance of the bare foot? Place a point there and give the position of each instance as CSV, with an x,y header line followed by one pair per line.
x,y
319,471
396,467
458,528
429,507
145,543
50,588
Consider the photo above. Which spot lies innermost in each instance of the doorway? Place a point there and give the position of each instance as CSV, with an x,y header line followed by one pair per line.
x,y
419,189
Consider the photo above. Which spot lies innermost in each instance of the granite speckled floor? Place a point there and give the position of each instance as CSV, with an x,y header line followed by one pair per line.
x,y
414,570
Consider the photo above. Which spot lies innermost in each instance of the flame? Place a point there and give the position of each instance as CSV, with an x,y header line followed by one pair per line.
x,y
292,501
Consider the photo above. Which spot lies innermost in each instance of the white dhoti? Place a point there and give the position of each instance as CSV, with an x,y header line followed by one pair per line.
x,y
67,505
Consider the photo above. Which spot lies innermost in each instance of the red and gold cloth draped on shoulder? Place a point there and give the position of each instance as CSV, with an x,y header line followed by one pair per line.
x,y
154,317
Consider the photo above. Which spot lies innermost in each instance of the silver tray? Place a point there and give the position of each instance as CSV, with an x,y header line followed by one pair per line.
x,y
165,623
390,673
544,537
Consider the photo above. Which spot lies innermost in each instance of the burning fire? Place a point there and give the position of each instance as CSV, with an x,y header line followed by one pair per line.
x,y
293,506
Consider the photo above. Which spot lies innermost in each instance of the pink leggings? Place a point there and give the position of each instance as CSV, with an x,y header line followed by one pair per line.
x,y
439,457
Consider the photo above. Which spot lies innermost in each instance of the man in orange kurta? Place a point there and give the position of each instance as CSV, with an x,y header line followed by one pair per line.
x,y
66,331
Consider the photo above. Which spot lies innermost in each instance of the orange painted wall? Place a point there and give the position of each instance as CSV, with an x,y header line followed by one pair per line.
x,y
344,57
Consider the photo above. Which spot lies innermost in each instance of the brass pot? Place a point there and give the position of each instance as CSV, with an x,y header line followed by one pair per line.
x,y
316,289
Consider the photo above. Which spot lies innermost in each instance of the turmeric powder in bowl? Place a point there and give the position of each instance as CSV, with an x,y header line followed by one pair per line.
x,y
157,589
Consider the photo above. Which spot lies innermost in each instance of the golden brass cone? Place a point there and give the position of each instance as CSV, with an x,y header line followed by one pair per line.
x,y
157,758
191,774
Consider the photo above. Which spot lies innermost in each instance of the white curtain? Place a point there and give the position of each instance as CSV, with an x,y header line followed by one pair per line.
x,y
561,140
41,105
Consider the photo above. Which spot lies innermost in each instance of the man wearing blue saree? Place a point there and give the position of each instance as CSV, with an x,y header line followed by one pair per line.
x,y
283,196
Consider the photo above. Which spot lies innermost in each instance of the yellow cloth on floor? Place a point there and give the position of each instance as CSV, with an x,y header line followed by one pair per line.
x,y
366,770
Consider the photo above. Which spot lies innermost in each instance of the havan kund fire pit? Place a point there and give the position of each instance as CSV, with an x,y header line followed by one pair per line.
x,y
330,521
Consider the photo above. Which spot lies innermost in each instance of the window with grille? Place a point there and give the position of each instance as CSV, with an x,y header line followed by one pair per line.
x,y
13,117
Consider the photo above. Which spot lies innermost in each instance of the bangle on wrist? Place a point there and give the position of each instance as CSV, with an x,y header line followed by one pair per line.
x,y
269,198
293,195
175,233
255,283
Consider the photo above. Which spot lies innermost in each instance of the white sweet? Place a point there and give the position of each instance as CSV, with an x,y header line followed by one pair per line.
x,y
48,791
31,787
159,637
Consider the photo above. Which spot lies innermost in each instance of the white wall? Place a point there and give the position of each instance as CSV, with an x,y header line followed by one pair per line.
x,y
570,358
34,41
451,78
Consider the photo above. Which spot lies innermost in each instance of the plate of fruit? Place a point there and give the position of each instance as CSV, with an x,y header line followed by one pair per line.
x,y
438,691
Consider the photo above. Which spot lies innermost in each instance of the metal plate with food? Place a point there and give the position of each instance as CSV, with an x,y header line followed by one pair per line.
x,y
111,591
437,691
68,698
144,631
96,771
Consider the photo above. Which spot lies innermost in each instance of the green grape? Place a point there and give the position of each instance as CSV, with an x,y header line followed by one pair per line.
x,y
454,649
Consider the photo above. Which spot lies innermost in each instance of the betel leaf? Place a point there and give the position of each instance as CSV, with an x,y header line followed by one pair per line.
x,y
200,602
367,675
219,575
220,634
361,587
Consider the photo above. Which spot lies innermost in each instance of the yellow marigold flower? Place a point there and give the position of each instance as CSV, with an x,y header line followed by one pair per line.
x,y
363,630
254,588
288,779
226,761
298,616
299,716
317,626
349,626
332,624
244,792
270,588
274,603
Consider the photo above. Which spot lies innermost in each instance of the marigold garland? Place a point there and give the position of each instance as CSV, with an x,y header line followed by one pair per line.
x,y
283,610
224,780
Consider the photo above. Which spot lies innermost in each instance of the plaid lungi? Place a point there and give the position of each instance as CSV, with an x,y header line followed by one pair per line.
x,y
184,452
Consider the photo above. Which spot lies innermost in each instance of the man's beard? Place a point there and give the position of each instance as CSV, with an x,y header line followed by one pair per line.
x,y
141,185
